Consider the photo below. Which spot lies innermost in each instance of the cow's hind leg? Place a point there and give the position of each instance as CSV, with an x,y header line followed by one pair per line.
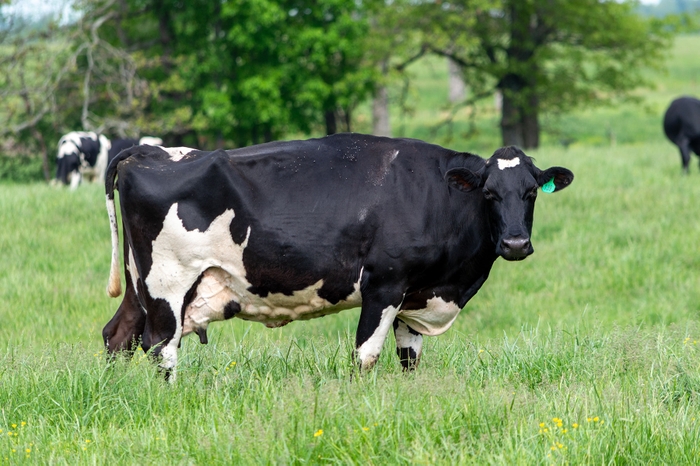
x,y
161,336
409,345
684,146
122,334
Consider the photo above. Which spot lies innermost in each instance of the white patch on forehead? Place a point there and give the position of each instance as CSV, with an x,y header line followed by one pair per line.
x,y
177,153
508,163
435,319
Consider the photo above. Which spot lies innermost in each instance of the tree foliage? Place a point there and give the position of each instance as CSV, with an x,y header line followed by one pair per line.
x,y
546,55
213,74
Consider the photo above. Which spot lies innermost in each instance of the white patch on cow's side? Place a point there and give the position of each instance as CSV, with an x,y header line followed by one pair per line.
x,y
508,163
151,141
368,352
179,257
406,339
435,319
177,153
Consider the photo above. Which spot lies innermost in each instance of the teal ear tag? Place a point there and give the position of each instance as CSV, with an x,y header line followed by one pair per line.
x,y
549,187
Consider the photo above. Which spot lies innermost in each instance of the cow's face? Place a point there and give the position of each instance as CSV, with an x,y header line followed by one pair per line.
x,y
509,183
68,163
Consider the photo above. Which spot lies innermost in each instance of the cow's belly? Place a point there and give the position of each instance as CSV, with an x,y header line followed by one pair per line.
x,y
219,289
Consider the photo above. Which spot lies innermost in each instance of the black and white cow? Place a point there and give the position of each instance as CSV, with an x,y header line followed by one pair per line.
x,y
86,155
295,230
682,127
81,155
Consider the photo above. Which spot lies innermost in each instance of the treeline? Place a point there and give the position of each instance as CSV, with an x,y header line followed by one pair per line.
x,y
213,74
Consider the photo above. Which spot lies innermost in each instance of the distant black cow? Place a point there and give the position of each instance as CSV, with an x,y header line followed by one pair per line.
x,y
296,230
682,126
85,155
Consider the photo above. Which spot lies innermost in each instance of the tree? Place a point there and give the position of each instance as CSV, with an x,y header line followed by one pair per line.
x,y
247,71
545,54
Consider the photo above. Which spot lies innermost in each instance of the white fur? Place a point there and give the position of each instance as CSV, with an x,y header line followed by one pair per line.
x,y
406,339
508,163
368,352
67,147
75,179
177,153
151,141
435,319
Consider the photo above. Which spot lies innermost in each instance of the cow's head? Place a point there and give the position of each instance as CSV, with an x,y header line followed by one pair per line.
x,y
68,163
509,182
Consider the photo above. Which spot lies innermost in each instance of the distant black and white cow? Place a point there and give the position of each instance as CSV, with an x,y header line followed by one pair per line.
x,y
682,127
81,155
86,155
295,230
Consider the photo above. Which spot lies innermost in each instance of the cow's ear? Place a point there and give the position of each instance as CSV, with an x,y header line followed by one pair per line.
x,y
463,179
559,176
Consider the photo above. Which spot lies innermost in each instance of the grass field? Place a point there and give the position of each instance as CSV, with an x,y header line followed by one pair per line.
x,y
588,352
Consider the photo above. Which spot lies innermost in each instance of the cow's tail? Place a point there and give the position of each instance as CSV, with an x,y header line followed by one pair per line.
x,y
114,287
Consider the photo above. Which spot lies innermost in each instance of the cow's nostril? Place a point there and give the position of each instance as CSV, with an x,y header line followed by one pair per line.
x,y
516,244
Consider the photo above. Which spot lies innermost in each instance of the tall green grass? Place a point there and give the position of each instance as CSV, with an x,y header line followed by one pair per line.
x,y
587,352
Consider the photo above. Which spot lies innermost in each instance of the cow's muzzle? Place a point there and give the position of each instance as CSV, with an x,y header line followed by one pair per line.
x,y
515,248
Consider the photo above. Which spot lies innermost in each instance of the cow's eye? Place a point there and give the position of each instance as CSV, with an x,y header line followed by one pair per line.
x,y
489,195
532,194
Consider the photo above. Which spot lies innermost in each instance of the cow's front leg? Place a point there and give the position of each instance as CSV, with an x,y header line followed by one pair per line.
x,y
161,336
378,313
409,345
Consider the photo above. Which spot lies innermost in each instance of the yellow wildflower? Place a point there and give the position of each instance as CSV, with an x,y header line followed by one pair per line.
x,y
318,433
365,429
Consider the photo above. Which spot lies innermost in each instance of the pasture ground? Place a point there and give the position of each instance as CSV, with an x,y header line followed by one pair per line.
x,y
587,352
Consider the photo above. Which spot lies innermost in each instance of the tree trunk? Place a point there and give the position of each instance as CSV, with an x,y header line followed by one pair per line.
x,y
456,83
520,118
381,124
331,127
511,126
